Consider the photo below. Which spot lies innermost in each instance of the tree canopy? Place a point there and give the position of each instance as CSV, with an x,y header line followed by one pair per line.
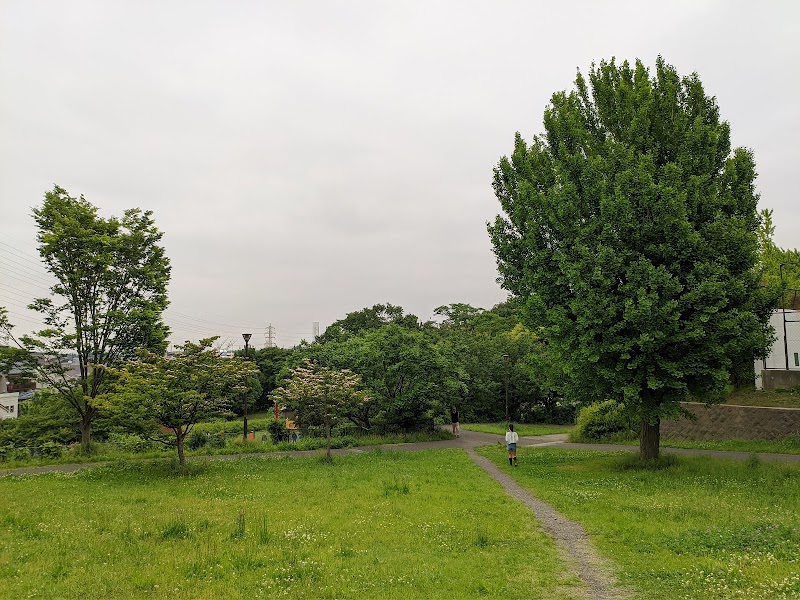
x,y
629,230
322,396
176,392
112,278
779,267
365,319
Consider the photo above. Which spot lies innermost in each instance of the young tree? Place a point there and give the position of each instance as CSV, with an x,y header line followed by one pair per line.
x,y
630,232
179,391
321,396
779,267
112,289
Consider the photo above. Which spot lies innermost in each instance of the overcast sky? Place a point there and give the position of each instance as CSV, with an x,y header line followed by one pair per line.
x,y
308,159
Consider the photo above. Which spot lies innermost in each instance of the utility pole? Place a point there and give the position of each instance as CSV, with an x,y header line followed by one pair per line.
x,y
246,337
505,363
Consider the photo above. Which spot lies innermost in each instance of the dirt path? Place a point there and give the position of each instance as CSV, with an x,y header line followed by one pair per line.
x,y
570,537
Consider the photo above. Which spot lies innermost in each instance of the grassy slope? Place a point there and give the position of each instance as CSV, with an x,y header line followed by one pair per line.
x,y
781,398
375,525
521,428
703,528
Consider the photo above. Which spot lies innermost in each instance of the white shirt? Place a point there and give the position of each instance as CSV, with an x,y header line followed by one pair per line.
x,y
511,437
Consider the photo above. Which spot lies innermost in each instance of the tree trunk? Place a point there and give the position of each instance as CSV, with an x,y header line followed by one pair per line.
x,y
649,440
328,430
86,432
181,456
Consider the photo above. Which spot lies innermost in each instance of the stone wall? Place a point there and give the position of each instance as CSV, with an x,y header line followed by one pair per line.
x,y
728,422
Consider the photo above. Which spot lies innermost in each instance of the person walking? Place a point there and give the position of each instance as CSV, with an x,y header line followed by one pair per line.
x,y
454,420
511,444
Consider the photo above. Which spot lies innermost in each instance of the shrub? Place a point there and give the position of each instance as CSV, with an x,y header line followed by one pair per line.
x,y
128,442
603,421
216,441
277,431
52,449
197,439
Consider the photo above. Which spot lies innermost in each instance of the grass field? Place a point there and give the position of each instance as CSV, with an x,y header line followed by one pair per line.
x,y
522,429
374,525
701,528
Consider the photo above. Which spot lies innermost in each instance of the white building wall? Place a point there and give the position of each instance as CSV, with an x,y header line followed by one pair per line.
x,y
779,352
9,405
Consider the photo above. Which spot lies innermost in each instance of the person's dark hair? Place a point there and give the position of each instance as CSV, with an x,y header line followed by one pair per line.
x,y
511,427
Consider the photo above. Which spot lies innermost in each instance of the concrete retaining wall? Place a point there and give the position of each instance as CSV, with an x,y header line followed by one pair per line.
x,y
727,422
774,379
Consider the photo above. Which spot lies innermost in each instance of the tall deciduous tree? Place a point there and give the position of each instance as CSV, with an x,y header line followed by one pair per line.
x,y
630,232
321,396
178,391
406,373
112,279
366,319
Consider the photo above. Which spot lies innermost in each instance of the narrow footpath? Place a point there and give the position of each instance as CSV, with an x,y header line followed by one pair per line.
x,y
570,537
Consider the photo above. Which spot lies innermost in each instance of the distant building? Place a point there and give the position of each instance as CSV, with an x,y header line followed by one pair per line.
x,y
782,365
9,401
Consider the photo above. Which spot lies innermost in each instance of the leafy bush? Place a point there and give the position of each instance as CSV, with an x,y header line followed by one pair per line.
x,y
213,427
128,442
197,439
216,441
51,450
603,422
277,431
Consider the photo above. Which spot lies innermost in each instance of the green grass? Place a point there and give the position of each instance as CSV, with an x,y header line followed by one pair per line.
x,y
788,446
105,452
788,398
522,429
374,525
696,528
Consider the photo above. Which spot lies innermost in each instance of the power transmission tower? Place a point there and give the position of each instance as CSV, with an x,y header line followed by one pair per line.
x,y
316,329
270,336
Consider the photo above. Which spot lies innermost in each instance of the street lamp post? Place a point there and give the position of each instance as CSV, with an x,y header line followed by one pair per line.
x,y
246,337
505,362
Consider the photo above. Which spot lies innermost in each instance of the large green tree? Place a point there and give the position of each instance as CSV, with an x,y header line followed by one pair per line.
x,y
112,278
630,232
366,319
